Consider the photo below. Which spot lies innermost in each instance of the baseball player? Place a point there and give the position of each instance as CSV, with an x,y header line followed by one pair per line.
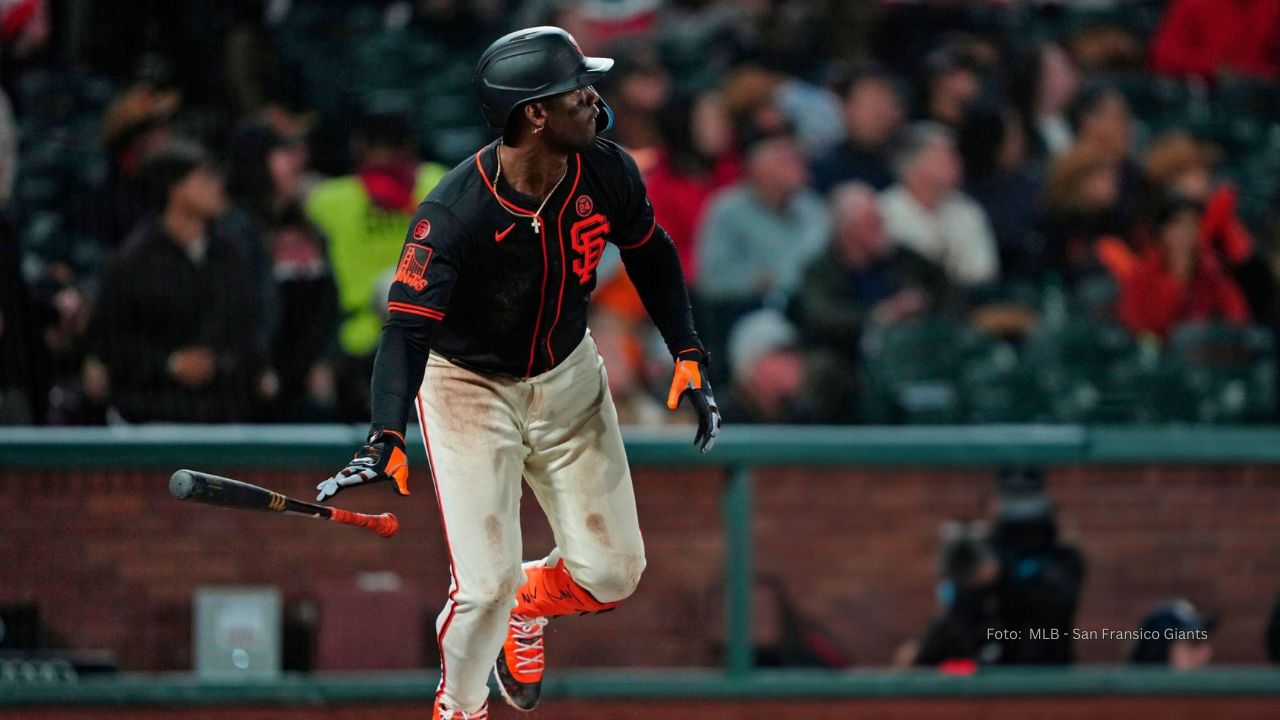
x,y
487,336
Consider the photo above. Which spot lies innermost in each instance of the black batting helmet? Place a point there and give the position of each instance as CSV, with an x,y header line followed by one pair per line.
x,y
532,64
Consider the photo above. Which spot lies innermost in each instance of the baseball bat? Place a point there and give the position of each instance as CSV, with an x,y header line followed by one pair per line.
x,y
224,492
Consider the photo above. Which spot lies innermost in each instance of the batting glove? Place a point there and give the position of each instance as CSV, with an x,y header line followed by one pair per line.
x,y
381,458
691,381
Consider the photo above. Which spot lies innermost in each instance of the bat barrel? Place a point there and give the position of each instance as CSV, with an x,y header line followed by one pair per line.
x,y
182,484
195,486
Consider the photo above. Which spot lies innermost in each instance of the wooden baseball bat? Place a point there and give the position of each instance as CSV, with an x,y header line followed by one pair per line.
x,y
224,492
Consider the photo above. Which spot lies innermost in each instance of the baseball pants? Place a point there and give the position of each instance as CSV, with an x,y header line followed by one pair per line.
x,y
559,432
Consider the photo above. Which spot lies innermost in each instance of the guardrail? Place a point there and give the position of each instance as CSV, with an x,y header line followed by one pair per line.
x,y
181,689
319,445
737,452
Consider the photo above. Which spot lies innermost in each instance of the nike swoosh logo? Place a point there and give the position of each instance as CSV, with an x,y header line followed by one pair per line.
x,y
497,236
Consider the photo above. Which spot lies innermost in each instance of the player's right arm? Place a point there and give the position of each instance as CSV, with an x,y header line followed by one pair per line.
x,y
418,301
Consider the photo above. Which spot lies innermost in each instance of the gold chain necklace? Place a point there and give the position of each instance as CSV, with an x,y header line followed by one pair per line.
x,y
537,224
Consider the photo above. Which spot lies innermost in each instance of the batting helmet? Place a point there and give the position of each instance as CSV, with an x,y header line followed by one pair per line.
x,y
532,64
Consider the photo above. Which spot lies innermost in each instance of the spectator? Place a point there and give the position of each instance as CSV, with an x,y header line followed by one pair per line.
x,y
1108,44
1175,279
758,235
1178,165
999,175
260,83
1040,577
860,279
698,159
701,42
1204,37
873,114
365,217
1042,90
787,33
751,100
137,124
1082,205
639,88
951,86
766,372
812,112
1175,634
968,576
178,319
24,28
291,257
926,211
1101,119
619,337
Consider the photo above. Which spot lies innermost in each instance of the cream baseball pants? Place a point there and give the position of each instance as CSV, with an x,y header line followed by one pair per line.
x,y
557,431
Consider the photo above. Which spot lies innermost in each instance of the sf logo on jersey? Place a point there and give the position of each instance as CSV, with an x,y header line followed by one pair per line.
x,y
588,241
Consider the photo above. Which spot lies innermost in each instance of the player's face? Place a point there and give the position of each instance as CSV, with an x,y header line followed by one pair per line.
x,y
571,119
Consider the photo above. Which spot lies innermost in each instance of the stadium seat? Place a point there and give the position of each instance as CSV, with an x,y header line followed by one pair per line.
x,y
1146,390
912,371
1073,364
1230,369
998,388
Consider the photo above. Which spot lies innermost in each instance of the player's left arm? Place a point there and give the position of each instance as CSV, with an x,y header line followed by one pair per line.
x,y
417,303
653,264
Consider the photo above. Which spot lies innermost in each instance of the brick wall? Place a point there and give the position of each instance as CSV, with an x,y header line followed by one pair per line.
x,y
113,559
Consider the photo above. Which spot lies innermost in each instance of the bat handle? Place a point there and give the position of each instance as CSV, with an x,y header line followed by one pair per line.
x,y
385,524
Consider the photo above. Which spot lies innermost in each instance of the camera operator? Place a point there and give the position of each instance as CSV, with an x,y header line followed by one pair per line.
x,y
1040,578
968,574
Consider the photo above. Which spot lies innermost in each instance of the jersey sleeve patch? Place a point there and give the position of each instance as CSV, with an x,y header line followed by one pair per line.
x,y
412,270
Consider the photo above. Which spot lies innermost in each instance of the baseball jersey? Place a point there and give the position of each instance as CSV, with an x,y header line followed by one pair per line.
x,y
491,286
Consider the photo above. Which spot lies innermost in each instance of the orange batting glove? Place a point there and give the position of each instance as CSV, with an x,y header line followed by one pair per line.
x,y
381,458
691,380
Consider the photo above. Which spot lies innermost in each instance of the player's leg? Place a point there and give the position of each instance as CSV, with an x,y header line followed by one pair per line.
x,y
578,471
471,428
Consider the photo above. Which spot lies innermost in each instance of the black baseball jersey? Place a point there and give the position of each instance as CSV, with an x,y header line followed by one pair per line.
x,y
491,286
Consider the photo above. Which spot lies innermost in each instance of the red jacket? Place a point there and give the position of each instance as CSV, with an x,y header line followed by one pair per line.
x,y
1153,301
1200,37
679,200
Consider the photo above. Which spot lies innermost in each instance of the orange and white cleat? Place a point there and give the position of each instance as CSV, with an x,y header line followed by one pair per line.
x,y
443,713
519,666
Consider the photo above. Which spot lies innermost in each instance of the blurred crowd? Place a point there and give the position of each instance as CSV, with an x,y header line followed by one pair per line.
x,y
887,211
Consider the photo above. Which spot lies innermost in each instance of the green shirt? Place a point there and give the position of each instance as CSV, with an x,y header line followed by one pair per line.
x,y
364,244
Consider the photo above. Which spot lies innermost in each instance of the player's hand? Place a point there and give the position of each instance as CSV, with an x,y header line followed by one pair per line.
x,y
691,380
381,458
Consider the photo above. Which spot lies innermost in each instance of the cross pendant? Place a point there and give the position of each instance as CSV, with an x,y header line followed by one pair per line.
x,y
536,225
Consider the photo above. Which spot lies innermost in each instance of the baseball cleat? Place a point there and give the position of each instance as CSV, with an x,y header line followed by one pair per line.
x,y
519,666
443,713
